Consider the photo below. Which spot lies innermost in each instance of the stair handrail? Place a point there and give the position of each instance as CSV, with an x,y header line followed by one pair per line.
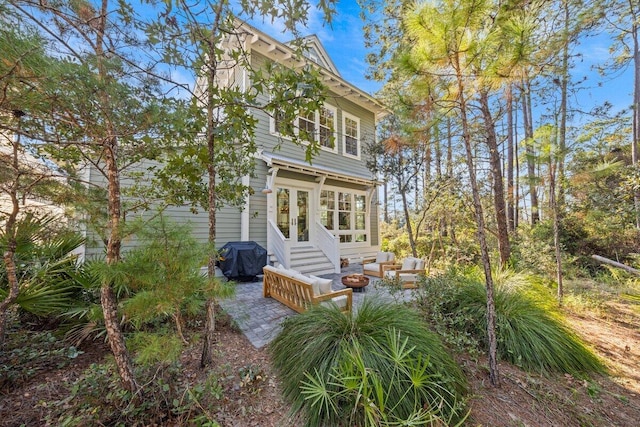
x,y
278,245
329,245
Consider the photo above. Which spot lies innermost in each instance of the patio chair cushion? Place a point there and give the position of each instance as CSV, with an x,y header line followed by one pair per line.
x,y
419,264
404,277
382,257
324,285
408,264
374,266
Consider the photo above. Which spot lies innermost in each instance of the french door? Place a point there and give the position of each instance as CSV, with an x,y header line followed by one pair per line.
x,y
293,213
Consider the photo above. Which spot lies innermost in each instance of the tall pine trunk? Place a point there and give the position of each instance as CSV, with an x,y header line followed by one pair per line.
x,y
481,232
511,220
498,187
635,149
107,296
530,152
10,252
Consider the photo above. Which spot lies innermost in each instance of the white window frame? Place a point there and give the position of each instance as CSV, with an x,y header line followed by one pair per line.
x,y
346,116
334,110
274,131
316,133
352,231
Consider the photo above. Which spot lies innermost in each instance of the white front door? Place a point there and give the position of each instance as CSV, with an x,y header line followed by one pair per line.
x,y
293,213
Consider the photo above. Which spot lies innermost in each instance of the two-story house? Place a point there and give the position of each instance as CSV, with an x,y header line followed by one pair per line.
x,y
307,216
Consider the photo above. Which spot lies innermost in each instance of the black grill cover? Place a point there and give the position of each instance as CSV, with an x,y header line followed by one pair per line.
x,y
242,261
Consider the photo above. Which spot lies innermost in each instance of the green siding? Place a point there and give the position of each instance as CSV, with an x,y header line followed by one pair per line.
x,y
228,219
336,161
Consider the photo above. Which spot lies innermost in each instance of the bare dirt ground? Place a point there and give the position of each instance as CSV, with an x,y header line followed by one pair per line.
x,y
523,399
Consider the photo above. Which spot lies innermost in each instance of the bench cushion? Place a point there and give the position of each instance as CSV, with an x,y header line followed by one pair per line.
x,y
324,285
309,280
340,301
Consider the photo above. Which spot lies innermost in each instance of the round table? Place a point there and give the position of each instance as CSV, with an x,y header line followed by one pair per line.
x,y
357,282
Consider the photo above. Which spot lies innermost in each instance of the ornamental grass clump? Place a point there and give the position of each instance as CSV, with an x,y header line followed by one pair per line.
x,y
377,367
531,332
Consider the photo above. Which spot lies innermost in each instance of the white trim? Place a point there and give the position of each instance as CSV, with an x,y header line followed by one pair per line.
x,y
352,215
346,116
334,110
273,49
287,163
244,214
294,187
316,128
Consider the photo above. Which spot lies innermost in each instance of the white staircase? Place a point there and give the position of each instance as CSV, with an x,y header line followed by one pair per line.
x,y
310,260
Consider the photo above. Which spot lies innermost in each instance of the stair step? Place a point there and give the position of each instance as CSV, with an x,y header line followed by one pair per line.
x,y
317,269
309,260
307,256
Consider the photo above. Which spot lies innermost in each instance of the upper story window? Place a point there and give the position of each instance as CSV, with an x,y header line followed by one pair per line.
x,y
307,125
281,126
318,126
327,127
351,135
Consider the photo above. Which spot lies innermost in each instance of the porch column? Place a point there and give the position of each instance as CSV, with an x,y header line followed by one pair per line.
x,y
244,215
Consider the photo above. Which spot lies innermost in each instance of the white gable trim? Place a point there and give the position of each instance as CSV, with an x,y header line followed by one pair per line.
x,y
258,41
313,42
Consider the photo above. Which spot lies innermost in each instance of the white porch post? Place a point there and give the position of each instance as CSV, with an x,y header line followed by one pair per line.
x,y
244,215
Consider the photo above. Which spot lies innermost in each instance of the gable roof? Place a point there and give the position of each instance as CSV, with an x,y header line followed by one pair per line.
x,y
315,51
281,52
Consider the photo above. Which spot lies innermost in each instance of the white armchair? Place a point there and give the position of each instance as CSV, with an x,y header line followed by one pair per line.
x,y
406,273
374,266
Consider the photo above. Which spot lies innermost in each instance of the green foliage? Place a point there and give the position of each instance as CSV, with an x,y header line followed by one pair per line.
x,y
404,394
162,274
51,281
97,398
322,355
156,347
530,332
28,352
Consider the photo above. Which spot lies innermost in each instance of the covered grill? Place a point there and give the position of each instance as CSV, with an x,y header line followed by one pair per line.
x,y
242,261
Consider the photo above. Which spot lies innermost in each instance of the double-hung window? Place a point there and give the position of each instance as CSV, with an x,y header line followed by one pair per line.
x,y
312,126
351,135
307,125
327,127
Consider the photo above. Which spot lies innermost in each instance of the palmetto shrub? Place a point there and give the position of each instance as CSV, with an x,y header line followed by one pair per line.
x,y
378,366
51,281
530,330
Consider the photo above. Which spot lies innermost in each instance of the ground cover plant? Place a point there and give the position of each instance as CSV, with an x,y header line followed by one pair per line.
x,y
378,366
530,331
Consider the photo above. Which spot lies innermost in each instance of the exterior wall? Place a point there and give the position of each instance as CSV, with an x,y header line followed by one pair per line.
x,y
229,219
270,142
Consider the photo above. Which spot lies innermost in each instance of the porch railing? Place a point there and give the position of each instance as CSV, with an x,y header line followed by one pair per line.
x,y
328,244
278,245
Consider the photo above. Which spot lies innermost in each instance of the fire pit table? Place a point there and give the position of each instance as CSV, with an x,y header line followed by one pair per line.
x,y
357,282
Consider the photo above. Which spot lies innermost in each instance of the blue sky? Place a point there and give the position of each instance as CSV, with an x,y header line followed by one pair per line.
x,y
344,42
